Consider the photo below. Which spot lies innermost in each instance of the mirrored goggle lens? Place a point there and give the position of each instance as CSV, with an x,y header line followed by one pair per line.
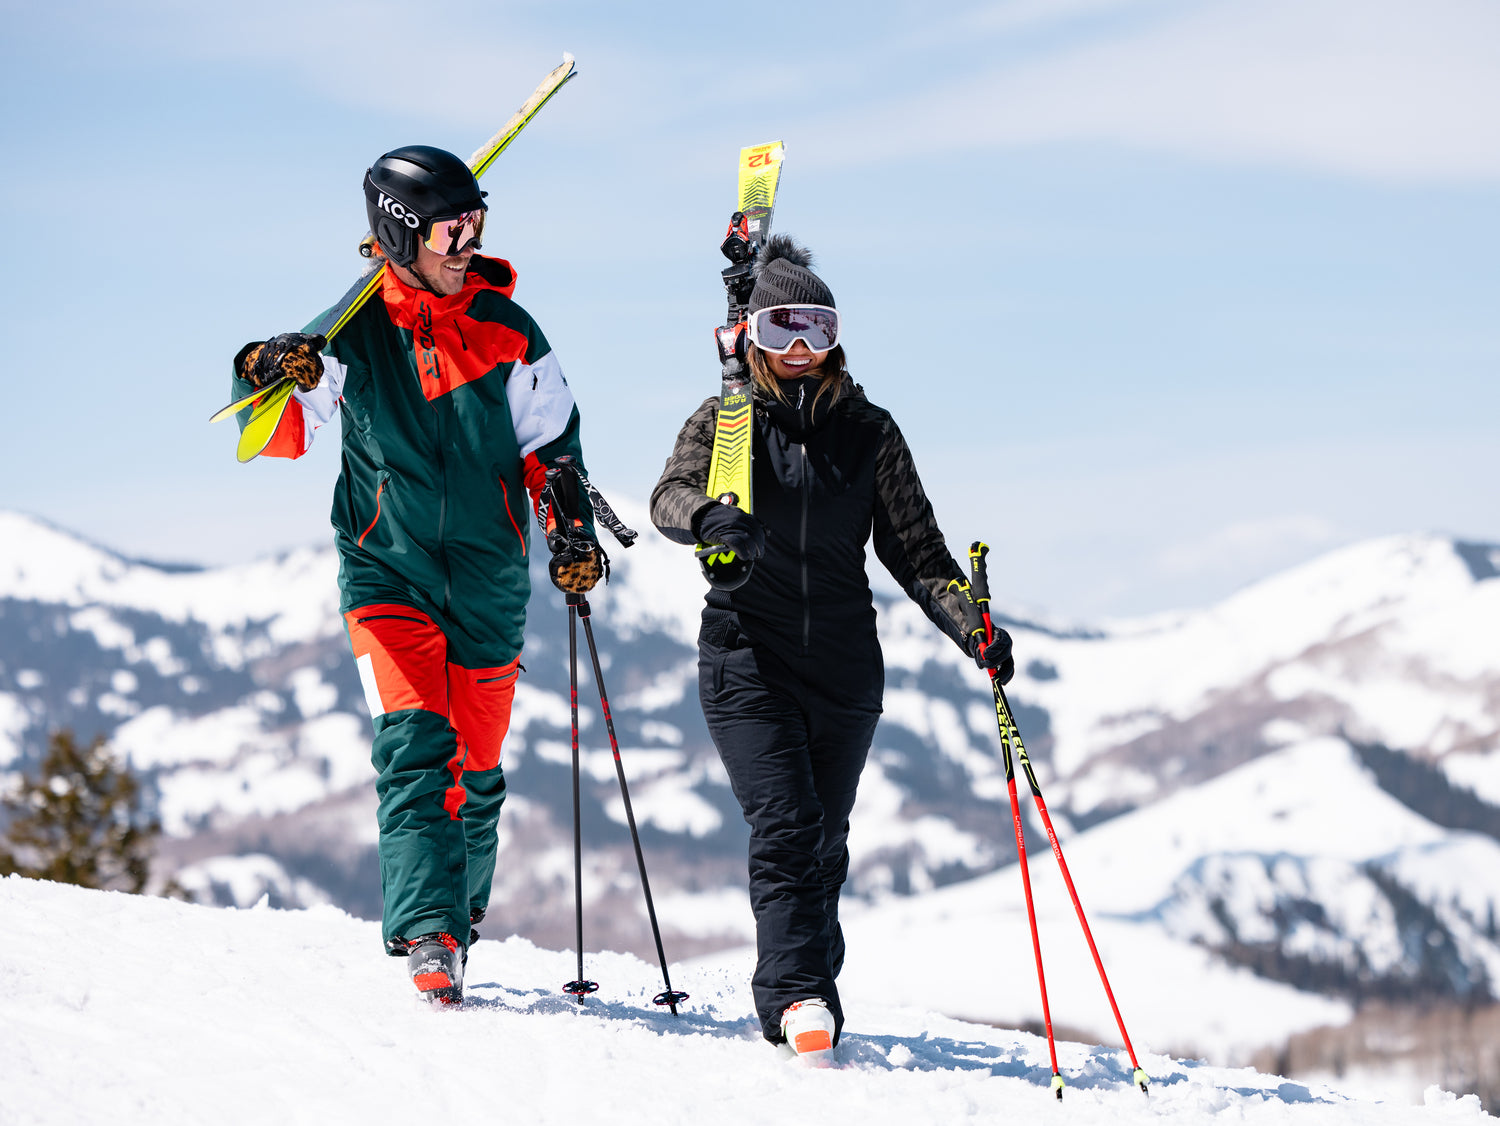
x,y
778,328
451,236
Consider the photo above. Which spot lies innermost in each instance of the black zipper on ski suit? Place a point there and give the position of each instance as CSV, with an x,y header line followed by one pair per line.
x,y
443,514
806,594
442,467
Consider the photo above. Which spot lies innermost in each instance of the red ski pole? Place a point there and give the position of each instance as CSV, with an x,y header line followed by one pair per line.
x,y
977,624
977,595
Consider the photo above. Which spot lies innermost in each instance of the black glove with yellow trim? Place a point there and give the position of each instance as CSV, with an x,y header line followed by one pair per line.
x,y
996,655
733,528
296,355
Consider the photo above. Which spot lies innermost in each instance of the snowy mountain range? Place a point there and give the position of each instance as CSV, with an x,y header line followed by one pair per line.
x,y
1292,796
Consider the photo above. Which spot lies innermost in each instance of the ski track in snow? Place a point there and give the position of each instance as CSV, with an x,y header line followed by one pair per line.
x,y
127,1009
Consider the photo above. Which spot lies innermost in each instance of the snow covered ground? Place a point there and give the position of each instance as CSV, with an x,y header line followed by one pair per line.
x,y
123,1009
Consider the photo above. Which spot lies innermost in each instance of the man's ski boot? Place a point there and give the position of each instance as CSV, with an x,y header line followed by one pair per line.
x,y
808,1027
436,964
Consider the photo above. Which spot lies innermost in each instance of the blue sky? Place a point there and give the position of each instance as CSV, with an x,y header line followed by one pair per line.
x,y
1165,294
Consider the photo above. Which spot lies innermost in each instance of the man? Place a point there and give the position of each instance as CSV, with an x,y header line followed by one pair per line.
x,y
453,407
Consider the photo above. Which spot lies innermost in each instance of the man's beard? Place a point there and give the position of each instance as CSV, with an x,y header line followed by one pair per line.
x,y
427,282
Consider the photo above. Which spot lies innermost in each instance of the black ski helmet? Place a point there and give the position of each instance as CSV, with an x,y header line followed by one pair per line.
x,y
407,188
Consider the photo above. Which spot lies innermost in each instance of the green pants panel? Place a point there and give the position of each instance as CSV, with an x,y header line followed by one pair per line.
x,y
426,874
481,814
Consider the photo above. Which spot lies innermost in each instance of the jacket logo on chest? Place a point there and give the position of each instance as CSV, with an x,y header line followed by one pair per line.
x,y
425,344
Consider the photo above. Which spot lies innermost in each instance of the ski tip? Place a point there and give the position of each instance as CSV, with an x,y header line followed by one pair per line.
x,y
568,59
234,408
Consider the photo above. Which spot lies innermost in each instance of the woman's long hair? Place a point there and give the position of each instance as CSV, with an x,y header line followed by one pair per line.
x,y
833,370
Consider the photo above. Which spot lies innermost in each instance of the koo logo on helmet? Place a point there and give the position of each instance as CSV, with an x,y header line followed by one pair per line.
x,y
394,209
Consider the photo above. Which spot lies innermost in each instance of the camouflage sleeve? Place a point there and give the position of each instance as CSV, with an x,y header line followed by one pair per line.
x,y
682,492
907,539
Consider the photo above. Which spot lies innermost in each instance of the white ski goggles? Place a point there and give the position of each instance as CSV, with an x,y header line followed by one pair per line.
x,y
776,329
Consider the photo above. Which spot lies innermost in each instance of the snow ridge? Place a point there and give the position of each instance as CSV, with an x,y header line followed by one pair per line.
x,y
128,1009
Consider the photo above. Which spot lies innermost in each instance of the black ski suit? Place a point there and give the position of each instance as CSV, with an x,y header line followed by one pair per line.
x,y
789,666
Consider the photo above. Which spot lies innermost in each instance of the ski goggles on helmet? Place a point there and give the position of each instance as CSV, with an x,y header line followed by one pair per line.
x,y
776,329
454,234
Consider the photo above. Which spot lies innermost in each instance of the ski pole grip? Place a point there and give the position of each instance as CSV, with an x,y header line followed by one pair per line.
x,y
978,574
973,619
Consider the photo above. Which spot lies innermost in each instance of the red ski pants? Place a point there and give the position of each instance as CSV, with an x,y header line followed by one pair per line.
x,y
439,728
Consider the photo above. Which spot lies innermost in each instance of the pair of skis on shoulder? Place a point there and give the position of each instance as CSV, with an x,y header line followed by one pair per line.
x,y
729,466
270,402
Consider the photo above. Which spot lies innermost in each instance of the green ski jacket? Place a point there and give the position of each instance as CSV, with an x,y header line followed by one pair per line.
x,y
452,408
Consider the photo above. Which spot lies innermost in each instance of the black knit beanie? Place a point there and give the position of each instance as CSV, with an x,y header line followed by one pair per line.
x,y
782,277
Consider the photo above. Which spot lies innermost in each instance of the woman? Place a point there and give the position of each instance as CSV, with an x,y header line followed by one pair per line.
x,y
789,668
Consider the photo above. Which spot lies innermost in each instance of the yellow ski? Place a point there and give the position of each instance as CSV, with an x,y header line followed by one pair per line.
x,y
760,174
264,419
270,401
729,468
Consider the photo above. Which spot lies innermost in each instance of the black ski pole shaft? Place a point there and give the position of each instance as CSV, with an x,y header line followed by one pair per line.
x,y
668,996
1010,733
579,987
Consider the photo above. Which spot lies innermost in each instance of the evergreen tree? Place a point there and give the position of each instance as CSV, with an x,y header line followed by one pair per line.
x,y
78,820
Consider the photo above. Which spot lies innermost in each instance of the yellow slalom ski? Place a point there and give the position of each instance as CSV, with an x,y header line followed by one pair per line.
x,y
270,401
760,173
264,419
729,468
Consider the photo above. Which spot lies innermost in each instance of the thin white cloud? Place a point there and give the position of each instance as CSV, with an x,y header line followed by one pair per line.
x,y
1248,547
1390,89
459,67
1386,89
1031,15
456,62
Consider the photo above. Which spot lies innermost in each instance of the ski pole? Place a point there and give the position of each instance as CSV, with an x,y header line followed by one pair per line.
x,y
579,987
669,996
975,623
980,598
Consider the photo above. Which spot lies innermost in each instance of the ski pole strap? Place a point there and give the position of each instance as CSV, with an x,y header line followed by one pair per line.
x,y
973,619
606,515
602,510
978,577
